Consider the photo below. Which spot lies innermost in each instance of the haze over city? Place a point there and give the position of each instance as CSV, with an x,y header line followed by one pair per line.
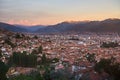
x,y
59,39
47,12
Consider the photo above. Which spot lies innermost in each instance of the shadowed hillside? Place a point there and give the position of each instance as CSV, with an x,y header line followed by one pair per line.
x,y
108,25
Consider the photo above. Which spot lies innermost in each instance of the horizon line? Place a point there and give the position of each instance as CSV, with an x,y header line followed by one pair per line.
x,y
69,21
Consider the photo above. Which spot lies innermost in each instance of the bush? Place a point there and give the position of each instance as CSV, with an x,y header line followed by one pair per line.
x,y
3,70
109,66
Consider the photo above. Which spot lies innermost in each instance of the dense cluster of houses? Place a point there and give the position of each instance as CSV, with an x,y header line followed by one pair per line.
x,y
70,49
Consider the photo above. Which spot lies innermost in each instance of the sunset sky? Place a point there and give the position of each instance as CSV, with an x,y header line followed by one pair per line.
x,y
45,12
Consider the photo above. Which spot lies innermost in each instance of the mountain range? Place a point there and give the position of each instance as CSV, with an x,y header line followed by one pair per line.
x,y
108,25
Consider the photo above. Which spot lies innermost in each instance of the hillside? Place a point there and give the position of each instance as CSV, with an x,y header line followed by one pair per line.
x,y
108,25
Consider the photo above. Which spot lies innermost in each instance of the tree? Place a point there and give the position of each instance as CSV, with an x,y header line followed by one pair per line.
x,y
3,70
44,59
34,51
35,37
100,66
40,49
54,60
46,74
0,53
109,66
24,60
90,57
7,41
18,36
22,35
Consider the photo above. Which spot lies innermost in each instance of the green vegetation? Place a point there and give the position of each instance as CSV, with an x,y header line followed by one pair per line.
x,y
90,57
40,49
49,70
55,60
62,74
31,76
18,36
24,60
35,37
3,70
34,51
46,71
44,60
7,41
109,66
109,44
0,53
45,67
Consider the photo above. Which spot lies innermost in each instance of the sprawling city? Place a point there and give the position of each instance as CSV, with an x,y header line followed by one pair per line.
x,y
59,40
60,57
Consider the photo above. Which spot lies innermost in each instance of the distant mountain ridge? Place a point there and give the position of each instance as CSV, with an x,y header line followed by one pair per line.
x,y
12,28
108,25
31,28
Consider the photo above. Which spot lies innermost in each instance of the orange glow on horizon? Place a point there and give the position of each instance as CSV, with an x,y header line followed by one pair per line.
x,y
50,12
54,21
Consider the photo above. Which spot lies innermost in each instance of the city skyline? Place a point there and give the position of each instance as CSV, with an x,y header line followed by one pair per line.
x,y
48,12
